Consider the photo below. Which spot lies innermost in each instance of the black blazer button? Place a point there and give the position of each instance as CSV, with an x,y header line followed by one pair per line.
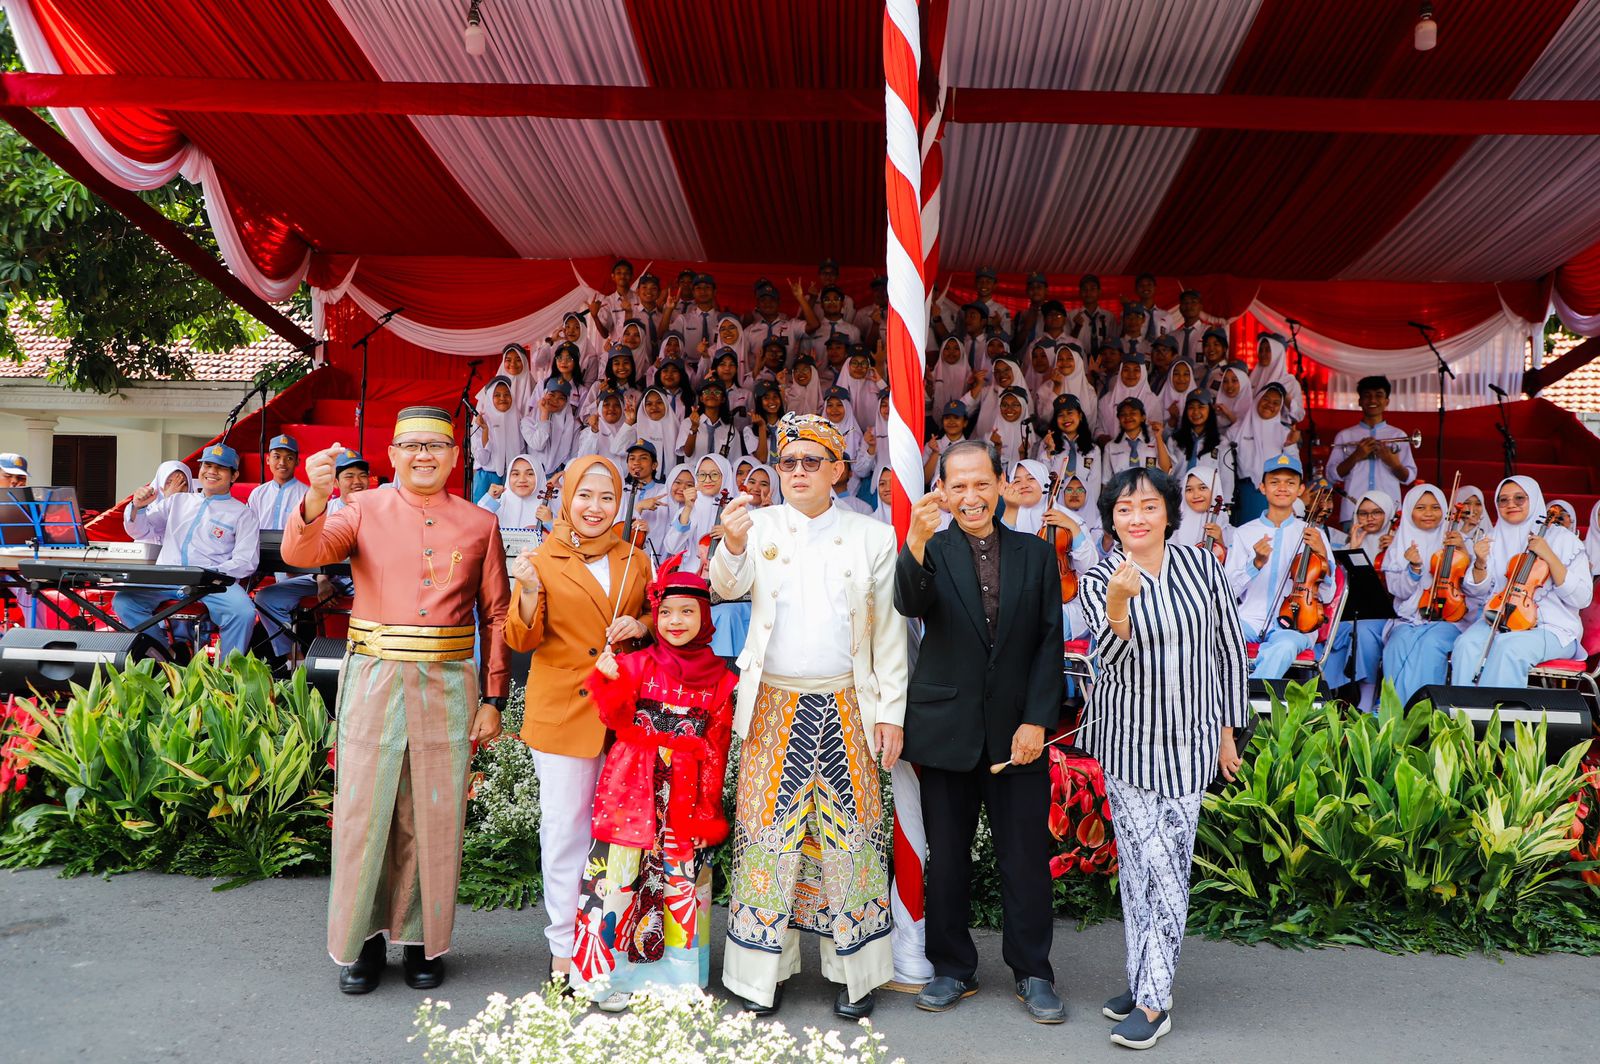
x,y
592,652
582,691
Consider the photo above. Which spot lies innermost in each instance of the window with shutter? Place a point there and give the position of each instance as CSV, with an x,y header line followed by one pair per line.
x,y
88,463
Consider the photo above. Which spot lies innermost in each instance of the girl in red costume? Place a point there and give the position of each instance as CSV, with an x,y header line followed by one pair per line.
x,y
644,910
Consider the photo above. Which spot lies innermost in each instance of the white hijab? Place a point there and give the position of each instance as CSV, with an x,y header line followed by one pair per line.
x,y
1029,519
1245,401
505,428
1385,503
1408,534
662,433
1509,539
1119,391
1076,382
1275,368
772,476
1591,539
515,510
1572,512
1486,522
1258,439
1193,526
522,387
803,398
989,411
703,518
165,470
1171,394
948,380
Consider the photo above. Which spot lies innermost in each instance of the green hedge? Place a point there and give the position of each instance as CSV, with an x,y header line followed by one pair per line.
x,y
1397,831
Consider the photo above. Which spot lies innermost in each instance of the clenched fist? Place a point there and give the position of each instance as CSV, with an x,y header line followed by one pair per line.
x,y
320,471
737,523
143,496
524,574
926,515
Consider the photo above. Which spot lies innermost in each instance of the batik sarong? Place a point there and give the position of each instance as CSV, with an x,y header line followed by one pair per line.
x,y
401,800
809,847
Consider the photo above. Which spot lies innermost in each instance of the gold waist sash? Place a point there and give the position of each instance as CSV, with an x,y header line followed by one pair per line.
x,y
411,642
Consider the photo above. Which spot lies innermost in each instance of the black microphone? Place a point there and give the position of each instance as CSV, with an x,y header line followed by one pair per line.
x,y
392,313
1419,325
1291,323
475,363
1496,389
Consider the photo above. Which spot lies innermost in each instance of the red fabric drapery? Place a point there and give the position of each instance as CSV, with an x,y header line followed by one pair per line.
x,y
1579,282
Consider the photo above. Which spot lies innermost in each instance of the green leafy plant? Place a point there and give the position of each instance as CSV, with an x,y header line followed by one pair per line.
x,y
206,769
1398,831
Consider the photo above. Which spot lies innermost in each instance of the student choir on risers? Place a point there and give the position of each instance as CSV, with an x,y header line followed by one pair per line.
x,y
751,454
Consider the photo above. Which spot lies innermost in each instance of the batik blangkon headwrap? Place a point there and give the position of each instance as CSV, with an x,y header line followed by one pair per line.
x,y
795,426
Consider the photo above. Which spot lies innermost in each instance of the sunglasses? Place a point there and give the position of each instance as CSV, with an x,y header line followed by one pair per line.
x,y
810,463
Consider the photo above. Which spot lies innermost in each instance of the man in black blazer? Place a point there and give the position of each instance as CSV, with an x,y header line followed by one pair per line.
x,y
986,689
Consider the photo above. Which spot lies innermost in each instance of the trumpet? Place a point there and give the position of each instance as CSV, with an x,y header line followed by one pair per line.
x,y
1415,440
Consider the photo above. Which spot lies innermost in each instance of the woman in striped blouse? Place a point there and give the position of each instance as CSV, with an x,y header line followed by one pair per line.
x,y
1172,687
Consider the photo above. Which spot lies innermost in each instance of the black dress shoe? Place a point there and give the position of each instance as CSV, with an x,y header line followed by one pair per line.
x,y
757,1009
1040,998
846,1009
944,992
366,973
421,973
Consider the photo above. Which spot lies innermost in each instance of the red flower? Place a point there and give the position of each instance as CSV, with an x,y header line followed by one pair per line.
x,y
1060,822
1060,865
1092,831
331,751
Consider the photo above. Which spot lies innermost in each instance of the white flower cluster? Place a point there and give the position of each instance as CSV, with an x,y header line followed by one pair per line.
x,y
681,1026
508,794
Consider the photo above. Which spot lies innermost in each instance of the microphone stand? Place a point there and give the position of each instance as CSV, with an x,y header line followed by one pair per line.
x,y
1444,371
361,406
265,381
464,405
1305,393
1508,442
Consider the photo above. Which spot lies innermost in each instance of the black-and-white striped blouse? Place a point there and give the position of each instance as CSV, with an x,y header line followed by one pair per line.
x,y
1162,697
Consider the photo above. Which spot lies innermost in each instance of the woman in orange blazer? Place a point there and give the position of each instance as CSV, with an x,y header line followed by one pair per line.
x,y
563,601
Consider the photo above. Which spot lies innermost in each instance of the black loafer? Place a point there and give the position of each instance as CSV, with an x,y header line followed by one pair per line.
x,y
755,1008
366,973
421,973
846,1009
1139,1031
1041,1001
1119,1007
944,992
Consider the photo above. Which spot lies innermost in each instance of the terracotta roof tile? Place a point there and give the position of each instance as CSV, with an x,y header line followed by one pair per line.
x,y
240,364
1578,390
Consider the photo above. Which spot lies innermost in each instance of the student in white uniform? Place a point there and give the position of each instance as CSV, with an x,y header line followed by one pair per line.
x,y
1067,446
1092,324
1416,649
1519,506
995,313
709,429
607,433
1198,437
953,422
1260,563
1357,650
1131,383
1272,365
496,435
272,503
1137,444
551,429
1201,486
209,530
1371,455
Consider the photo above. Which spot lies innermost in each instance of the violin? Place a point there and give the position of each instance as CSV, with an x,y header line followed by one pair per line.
x,y
640,530
1513,608
1443,599
1061,543
1394,526
707,541
546,493
1302,610
1214,513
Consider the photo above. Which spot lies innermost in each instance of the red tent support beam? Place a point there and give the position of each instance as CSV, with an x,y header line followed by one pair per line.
x,y
1312,114
155,224
1535,381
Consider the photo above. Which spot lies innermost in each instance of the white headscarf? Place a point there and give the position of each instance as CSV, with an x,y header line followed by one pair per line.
x,y
1275,368
803,398
1385,503
1171,394
884,511
515,510
1486,522
1509,539
522,387
1245,401
741,347
165,470
1088,518
505,427
1076,382
1029,519
772,476
1119,391
1572,512
1193,526
1259,439
1408,534
662,434
948,380
989,411
703,518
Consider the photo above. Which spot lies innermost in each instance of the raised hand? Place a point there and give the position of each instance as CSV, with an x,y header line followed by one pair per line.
x,y
320,473
1263,550
496,490
736,523
1124,583
606,664
926,514
523,572
143,496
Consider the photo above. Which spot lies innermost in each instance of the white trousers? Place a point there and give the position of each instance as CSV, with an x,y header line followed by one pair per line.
x,y
566,811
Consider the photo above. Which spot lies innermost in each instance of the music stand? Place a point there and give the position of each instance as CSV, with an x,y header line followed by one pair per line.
x,y
41,517
1366,599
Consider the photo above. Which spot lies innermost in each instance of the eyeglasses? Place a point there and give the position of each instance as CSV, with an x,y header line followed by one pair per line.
x,y
707,478
434,447
810,463
1070,490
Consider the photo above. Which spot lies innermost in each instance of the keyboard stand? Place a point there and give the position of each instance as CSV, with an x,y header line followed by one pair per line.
x,y
189,598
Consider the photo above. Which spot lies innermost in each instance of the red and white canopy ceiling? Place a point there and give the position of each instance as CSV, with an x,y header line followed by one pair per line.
x,y
485,228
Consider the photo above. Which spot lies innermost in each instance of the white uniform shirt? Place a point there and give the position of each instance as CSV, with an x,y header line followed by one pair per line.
x,y
272,503
807,639
554,441
215,532
1369,474
1261,591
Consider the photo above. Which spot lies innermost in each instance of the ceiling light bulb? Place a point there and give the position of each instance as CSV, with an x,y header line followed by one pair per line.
x,y
1426,35
473,36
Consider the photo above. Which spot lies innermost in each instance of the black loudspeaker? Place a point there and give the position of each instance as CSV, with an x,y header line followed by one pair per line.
x,y
1569,719
322,665
50,661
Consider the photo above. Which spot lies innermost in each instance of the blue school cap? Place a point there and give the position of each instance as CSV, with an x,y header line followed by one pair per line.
x,y
221,454
1284,463
283,443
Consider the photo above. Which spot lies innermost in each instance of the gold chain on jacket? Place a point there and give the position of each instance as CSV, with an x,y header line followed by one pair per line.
x,y
455,557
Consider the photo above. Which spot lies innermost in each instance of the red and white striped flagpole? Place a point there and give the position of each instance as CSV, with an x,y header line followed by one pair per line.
x,y
911,122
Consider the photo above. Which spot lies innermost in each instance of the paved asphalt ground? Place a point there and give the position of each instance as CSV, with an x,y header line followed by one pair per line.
x,y
159,968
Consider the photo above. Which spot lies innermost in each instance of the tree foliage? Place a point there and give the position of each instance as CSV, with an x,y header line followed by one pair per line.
x,y
73,266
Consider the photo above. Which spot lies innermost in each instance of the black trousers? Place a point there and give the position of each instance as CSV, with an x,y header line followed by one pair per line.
x,y
1019,809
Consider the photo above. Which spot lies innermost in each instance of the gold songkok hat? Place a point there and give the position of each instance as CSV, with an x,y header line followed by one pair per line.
x,y
425,419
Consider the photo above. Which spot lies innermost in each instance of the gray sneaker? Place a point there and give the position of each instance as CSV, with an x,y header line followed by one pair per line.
x,y
1139,1031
